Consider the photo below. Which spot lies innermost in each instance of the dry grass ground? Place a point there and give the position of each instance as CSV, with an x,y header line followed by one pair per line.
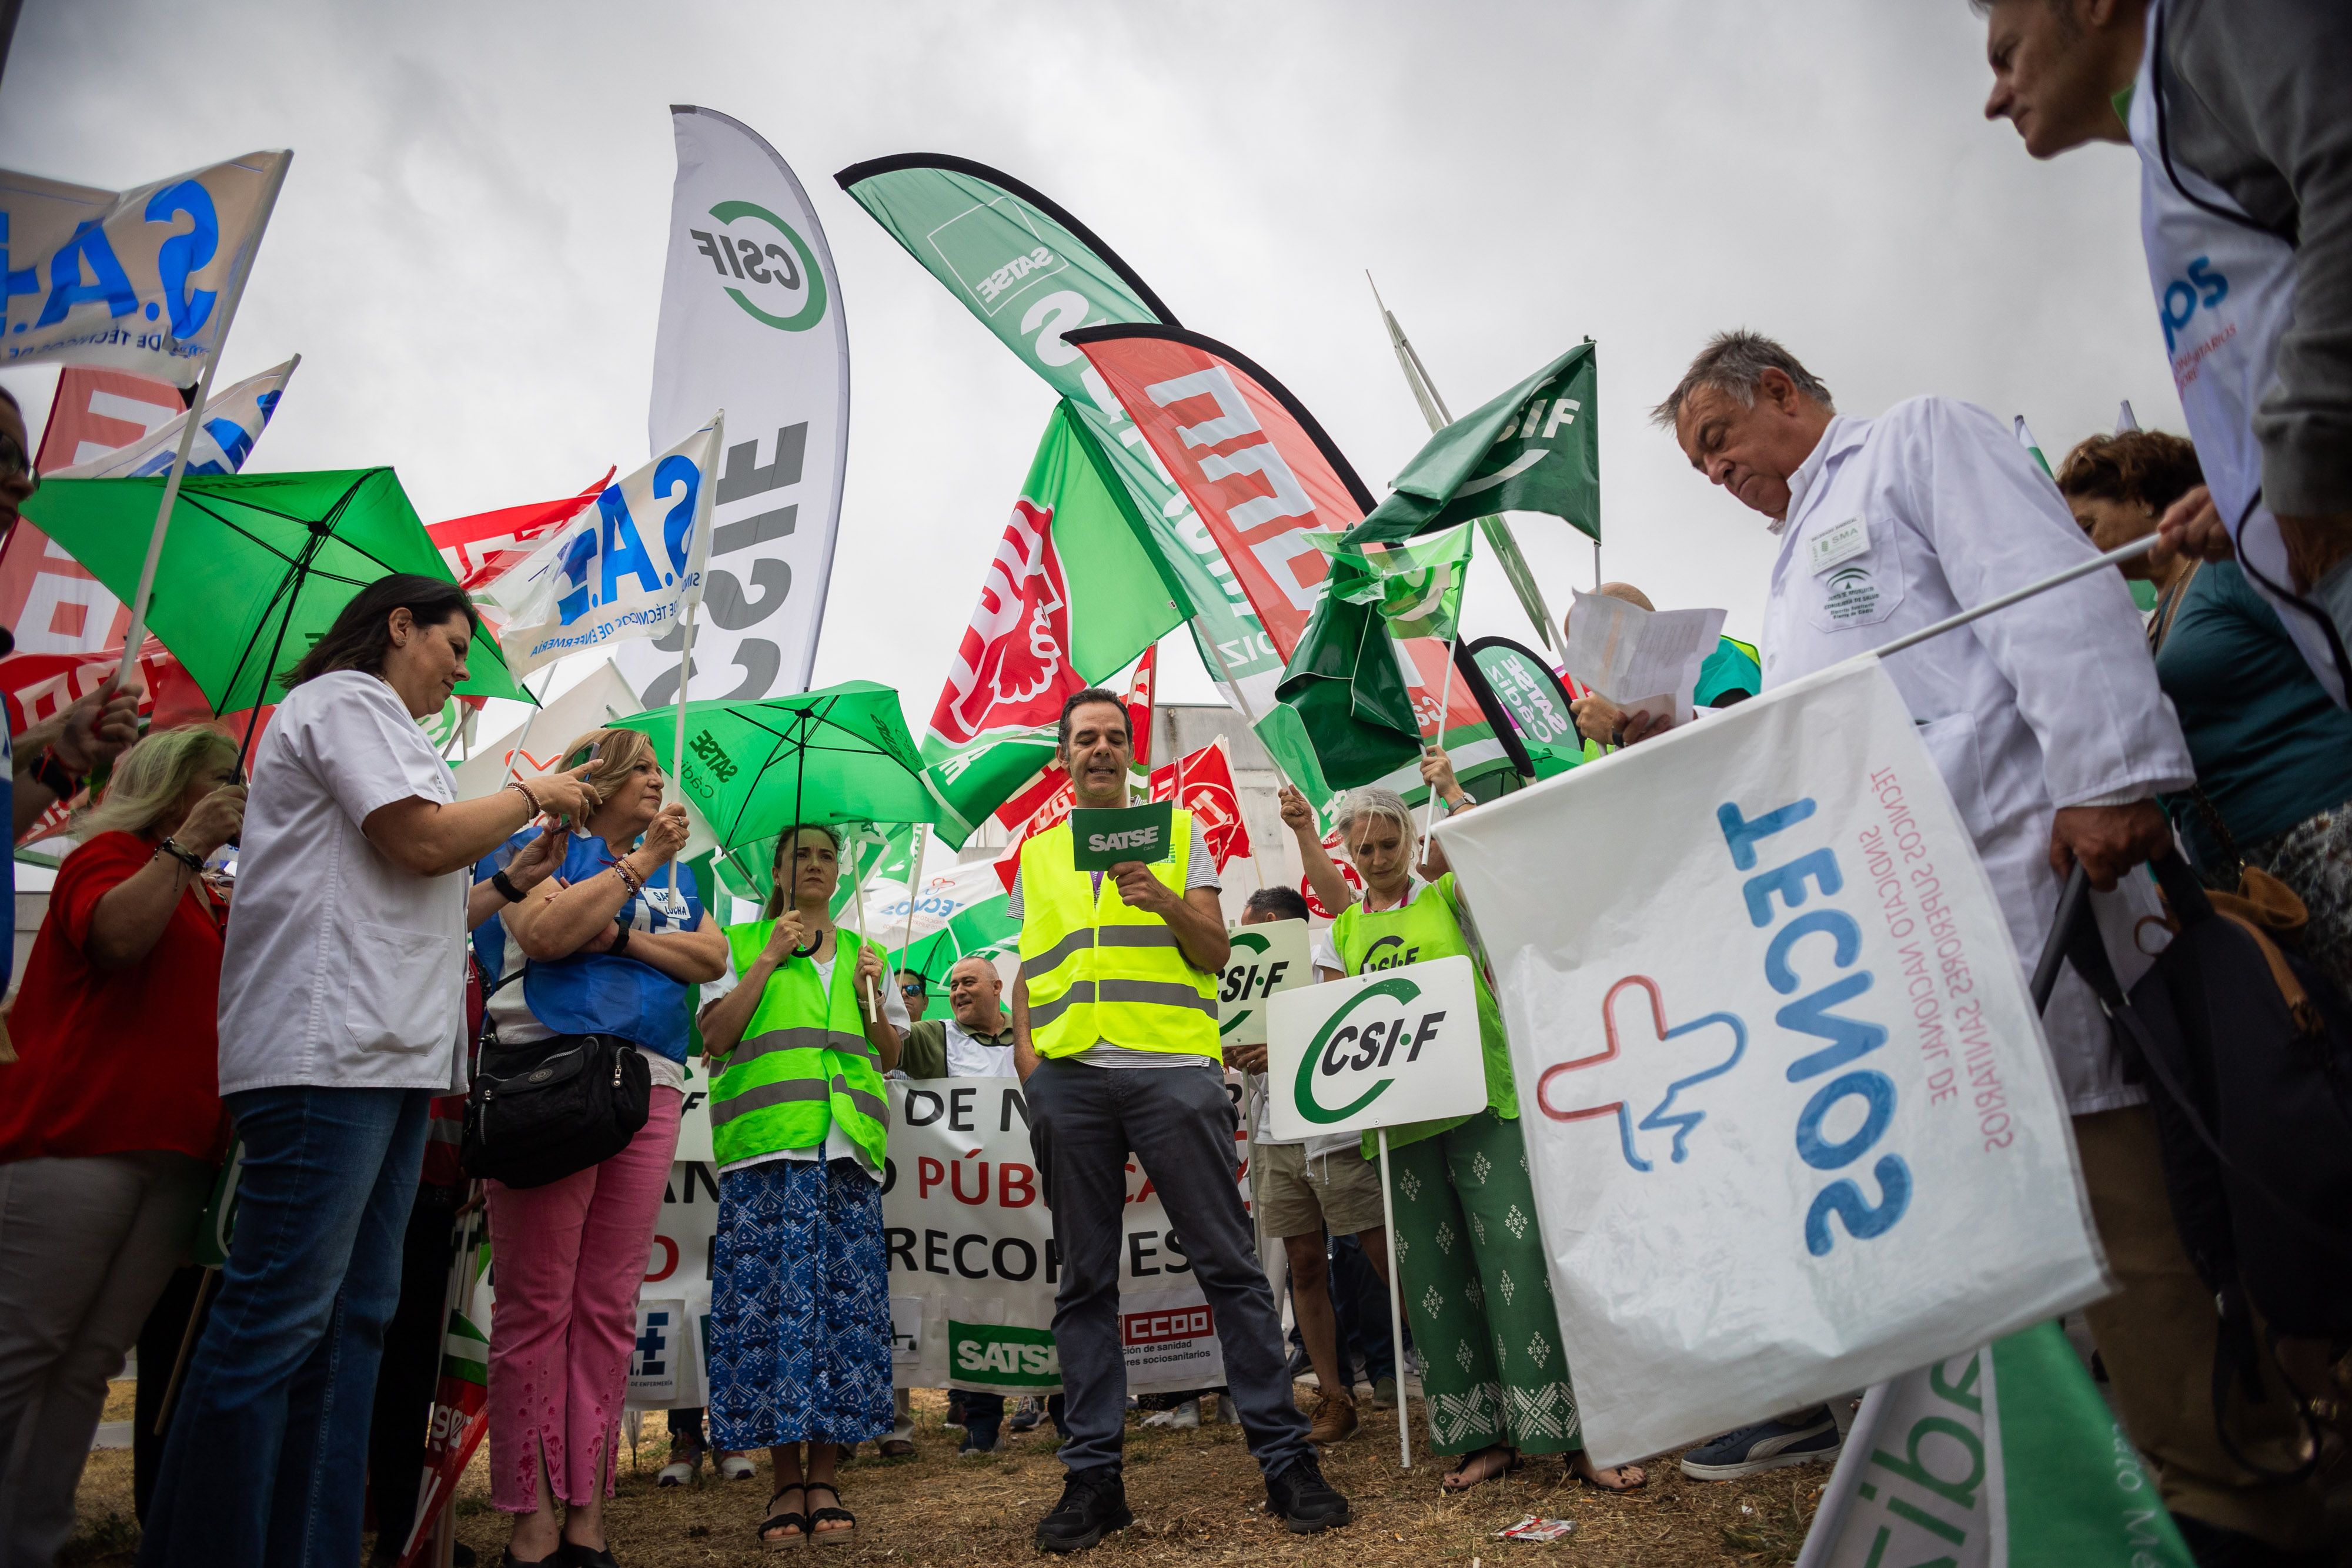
x,y
1196,1496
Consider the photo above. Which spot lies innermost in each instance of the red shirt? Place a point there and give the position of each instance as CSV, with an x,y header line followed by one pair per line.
x,y
110,1062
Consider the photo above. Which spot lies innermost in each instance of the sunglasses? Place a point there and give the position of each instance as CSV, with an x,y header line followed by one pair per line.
x,y
910,990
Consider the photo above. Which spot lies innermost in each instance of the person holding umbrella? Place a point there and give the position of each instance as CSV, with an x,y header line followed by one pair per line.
x,y
800,1302
340,1017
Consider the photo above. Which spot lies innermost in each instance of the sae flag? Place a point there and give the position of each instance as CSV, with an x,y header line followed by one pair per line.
x,y
233,421
629,565
135,280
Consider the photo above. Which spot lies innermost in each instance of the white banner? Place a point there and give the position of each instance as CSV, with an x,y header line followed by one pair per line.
x,y
1270,956
1375,1050
135,280
750,323
234,420
1769,1028
623,568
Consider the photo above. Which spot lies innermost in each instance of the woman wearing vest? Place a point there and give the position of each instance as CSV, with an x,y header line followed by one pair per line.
x,y
608,947
800,1032
1472,1268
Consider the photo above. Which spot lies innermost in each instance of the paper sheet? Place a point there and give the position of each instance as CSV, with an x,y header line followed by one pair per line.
x,y
1644,661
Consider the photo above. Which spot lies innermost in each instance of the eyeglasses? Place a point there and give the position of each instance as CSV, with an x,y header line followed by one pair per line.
x,y
910,990
14,464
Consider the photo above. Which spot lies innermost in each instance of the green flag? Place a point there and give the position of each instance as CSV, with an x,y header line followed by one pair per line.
x,y
1416,586
1350,696
1031,271
1534,449
1070,597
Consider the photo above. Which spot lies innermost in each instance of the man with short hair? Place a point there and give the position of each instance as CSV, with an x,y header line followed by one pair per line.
x,y
915,989
2241,116
975,1039
1115,1023
1301,1189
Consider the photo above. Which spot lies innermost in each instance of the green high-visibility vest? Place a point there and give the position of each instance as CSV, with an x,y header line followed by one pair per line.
x,y
1429,928
804,1065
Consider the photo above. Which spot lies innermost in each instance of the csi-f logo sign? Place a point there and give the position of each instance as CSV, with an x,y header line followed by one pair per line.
x,y
1377,1051
766,268
1269,957
1363,1036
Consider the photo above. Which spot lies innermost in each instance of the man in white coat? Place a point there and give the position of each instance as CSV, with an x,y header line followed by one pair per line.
x,y
2047,724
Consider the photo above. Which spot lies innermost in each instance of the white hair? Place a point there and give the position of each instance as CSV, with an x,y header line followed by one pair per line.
x,y
1380,805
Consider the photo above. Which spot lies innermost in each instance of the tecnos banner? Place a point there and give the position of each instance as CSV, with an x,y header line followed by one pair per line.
x,y
750,323
1774,1022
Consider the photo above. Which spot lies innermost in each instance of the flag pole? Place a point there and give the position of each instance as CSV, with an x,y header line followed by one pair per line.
x,y
530,717
914,875
2057,580
678,736
135,636
1396,1310
1837,1497
1444,700
857,895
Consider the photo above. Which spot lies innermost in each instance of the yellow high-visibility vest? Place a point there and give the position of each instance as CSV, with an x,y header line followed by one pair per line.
x,y
1099,970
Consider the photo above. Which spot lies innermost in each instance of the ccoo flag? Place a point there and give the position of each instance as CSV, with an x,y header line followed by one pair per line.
x,y
1534,449
750,323
625,567
132,280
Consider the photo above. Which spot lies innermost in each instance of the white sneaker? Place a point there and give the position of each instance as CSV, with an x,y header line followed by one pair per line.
x,y
1185,1416
678,1472
735,1468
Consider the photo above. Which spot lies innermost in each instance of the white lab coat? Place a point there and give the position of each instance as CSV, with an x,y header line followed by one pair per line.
x,y
2052,702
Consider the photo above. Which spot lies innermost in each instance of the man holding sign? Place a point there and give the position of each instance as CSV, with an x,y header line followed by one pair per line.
x,y
1114,1025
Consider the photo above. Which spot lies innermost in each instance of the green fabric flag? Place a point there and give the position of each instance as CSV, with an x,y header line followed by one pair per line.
x,y
1349,694
1534,449
984,930
1734,666
1416,586
754,769
2003,1457
1072,596
255,565
1031,271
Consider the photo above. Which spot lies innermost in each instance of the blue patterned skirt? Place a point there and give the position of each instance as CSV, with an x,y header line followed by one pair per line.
x,y
800,1307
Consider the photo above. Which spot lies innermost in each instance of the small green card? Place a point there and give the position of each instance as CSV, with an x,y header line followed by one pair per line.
x,y
1104,838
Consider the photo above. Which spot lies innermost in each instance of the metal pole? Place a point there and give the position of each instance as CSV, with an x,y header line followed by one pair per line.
x,y
678,738
530,717
136,634
1396,1308
1444,700
1596,566
1950,622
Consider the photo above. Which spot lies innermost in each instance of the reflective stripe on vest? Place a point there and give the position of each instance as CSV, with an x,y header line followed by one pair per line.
x,y
1097,969
804,1066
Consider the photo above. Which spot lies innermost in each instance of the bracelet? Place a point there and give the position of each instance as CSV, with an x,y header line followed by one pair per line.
x,y
620,943
523,790
629,879
181,852
504,885
50,772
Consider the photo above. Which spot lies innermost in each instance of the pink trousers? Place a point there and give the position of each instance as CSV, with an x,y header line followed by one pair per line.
x,y
567,1260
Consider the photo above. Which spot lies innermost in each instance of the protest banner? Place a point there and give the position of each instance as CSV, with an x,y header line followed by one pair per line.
x,y
130,280
460,1420
2001,1457
750,323
629,568
1270,956
1773,1016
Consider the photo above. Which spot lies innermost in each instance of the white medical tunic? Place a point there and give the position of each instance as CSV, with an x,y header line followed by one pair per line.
x,y
1897,522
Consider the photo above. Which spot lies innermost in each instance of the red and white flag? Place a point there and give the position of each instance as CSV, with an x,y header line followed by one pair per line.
x,y
1046,799
1207,792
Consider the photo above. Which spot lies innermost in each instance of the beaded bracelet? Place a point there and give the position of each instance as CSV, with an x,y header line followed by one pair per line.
x,y
523,790
629,879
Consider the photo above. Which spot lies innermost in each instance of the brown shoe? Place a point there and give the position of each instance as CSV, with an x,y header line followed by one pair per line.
x,y
1335,1419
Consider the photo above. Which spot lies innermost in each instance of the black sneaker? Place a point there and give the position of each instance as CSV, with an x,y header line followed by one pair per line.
x,y
1300,1496
1094,1502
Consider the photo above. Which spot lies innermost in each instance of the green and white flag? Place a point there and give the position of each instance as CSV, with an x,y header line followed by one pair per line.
x,y
2003,1457
1416,586
1534,449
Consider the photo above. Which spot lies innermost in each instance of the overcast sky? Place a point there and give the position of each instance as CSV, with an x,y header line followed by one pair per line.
x,y
468,250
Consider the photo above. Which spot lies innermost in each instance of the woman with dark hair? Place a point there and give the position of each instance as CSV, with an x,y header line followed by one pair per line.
x,y
2274,753
608,947
800,1296
341,994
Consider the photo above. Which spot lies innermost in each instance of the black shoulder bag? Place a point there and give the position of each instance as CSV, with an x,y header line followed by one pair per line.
x,y
544,1109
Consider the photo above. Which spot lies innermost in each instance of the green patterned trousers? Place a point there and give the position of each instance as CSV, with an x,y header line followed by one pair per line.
x,y
1471,1270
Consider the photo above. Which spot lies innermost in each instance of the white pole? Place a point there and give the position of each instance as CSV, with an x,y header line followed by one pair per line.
x,y
136,634
2081,569
1829,1518
1444,699
678,738
1396,1308
857,895
914,875
530,717
1596,566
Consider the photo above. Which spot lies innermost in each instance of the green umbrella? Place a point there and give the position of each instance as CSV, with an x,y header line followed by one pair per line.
x,y
255,565
755,768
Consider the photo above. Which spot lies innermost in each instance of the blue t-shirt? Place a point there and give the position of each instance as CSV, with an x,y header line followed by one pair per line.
x,y
2270,749
596,993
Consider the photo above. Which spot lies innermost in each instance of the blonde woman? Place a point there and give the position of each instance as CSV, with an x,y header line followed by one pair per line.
x,y
1475,1284
800,1297
110,1120
607,947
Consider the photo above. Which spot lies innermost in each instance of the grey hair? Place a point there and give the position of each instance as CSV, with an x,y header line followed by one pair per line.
x,y
1734,363
1371,801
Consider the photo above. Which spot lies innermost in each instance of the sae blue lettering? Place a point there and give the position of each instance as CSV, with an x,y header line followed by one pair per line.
x,y
180,256
625,553
677,524
108,282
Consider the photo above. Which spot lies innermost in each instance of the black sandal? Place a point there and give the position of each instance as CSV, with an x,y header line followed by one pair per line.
x,y
819,1515
798,1523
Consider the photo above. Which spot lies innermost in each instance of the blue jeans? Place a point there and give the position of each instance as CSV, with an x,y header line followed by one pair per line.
x,y
267,1460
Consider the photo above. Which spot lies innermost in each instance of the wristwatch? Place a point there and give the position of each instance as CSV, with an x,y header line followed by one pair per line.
x,y
504,885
